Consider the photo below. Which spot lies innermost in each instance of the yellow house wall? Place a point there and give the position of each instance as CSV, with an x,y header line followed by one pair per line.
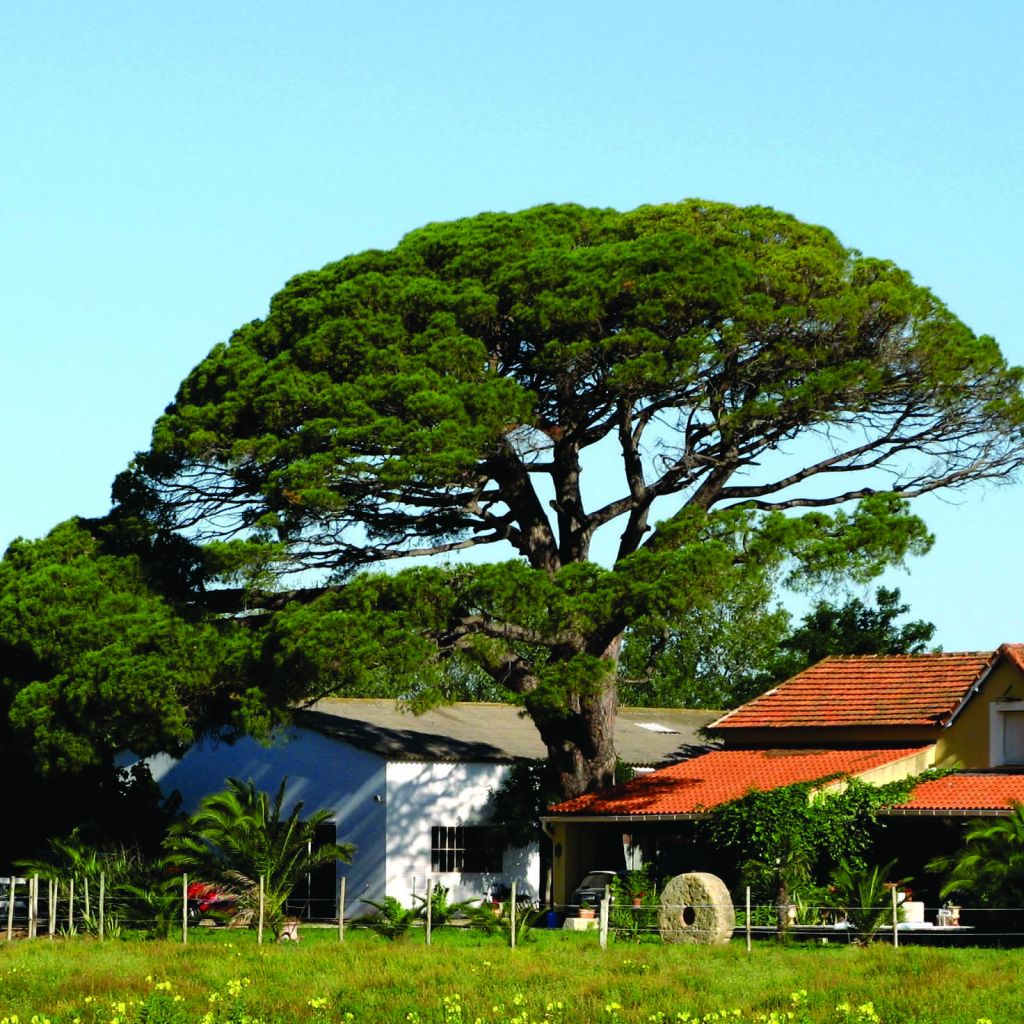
x,y
966,741
828,736
560,841
901,769
571,857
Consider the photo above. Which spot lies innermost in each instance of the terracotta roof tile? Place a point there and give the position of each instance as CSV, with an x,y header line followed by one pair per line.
x,y
722,775
868,690
967,792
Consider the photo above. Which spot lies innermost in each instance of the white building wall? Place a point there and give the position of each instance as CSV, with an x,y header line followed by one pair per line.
x,y
421,795
325,774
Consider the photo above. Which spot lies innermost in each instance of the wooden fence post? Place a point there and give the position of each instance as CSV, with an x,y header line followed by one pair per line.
x,y
10,907
184,908
341,910
31,917
512,916
895,919
748,919
103,886
54,891
602,933
259,925
71,905
430,908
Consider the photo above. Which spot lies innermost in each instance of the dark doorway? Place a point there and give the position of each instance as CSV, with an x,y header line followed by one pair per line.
x,y
315,897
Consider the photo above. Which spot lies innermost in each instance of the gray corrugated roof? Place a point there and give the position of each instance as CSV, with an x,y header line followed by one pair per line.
x,y
495,732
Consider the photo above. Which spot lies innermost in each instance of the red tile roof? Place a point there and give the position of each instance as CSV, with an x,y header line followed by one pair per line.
x,y
869,690
967,792
721,775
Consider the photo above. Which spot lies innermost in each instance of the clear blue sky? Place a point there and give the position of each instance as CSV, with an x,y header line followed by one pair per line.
x,y
166,167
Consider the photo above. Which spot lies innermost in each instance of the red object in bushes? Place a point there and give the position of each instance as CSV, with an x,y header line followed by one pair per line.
x,y
206,898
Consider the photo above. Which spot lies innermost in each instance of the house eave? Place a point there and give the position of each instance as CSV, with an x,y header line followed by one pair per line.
x,y
975,689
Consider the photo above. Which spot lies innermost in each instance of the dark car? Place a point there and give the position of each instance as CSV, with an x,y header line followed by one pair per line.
x,y
20,899
592,888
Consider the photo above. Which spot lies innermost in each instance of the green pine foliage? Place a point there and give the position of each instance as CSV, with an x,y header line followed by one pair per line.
x,y
93,659
681,377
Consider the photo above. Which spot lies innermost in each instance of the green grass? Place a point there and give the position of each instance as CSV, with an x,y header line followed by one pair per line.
x,y
378,981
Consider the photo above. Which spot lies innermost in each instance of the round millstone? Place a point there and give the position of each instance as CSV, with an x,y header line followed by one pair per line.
x,y
696,907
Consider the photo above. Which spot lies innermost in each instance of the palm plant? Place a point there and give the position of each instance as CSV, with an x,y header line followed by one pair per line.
x,y
90,867
240,835
442,910
990,865
864,895
153,899
392,920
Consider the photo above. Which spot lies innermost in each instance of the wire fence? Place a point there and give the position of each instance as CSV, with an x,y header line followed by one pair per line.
x,y
895,923
62,907
35,907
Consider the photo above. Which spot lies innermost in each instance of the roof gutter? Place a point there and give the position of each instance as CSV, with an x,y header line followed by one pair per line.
x,y
616,819
947,812
903,812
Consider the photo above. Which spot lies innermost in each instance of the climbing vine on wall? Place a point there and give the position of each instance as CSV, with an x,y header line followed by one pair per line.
x,y
783,838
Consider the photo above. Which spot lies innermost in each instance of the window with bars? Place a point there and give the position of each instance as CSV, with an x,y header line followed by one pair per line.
x,y
464,848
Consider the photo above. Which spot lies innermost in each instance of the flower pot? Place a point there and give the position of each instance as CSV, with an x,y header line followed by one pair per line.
x,y
587,912
638,901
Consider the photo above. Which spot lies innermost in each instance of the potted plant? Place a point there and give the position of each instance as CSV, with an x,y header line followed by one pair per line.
x,y
636,885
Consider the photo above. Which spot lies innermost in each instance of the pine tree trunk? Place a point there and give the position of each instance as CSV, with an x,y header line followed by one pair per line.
x,y
580,737
781,908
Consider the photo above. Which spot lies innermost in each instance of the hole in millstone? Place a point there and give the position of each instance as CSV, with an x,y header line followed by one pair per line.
x,y
688,916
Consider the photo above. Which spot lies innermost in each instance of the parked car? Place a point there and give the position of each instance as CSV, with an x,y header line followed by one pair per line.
x,y
204,900
592,888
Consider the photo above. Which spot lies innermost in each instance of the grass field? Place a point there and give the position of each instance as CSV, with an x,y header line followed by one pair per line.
x,y
227,979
